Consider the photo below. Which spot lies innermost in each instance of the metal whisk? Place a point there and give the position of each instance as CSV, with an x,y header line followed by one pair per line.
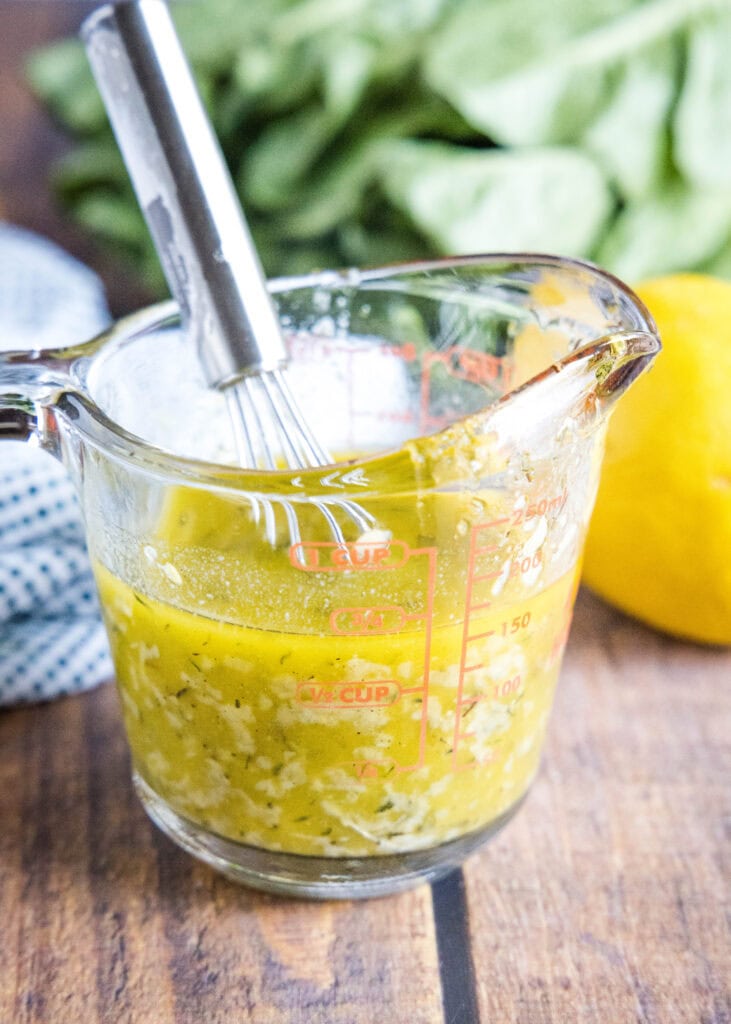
x,y
205,247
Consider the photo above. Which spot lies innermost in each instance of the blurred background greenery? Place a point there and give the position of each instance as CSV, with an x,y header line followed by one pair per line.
x,y
369,131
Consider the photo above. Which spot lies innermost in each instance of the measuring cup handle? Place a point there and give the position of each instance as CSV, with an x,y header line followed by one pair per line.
x,y
29,390
18,422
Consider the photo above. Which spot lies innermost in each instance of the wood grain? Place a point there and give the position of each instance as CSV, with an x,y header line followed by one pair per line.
x,y
606,900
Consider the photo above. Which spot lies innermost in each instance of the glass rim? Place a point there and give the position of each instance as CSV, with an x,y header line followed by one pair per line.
x,y
119,444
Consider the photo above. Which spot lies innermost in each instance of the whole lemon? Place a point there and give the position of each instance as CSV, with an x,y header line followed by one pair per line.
x,y
659,544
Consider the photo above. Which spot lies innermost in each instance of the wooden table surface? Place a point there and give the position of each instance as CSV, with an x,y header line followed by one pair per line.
x,y
606,900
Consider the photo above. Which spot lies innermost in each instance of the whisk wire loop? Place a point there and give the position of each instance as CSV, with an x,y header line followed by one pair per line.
x,y
314,453
270,432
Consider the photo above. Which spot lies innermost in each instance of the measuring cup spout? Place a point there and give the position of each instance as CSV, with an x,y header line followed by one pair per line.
x,y
579,391
625,359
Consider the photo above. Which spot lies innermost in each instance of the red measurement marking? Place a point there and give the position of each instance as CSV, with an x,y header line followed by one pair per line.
x,y
375,694
495,691
481,636
486,576
493,523
383,619
463,668
468,637
507,688
479,367
407,352
464,364
523,565
368,770
365,619
431,589
540,508
327,556
516,624
487,549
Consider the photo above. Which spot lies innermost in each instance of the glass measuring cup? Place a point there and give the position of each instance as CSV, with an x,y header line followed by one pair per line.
x,y
345,719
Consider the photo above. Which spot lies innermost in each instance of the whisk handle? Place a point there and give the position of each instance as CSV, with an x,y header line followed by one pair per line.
x,y
184,188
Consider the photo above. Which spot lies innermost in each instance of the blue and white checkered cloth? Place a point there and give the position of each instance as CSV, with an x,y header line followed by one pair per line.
x,y
52,641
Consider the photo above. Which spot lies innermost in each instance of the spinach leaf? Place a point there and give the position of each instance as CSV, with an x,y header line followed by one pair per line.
x,y
702,123
601,76
282,157
679,228
630,137
62,77
526,74
366,131
545,199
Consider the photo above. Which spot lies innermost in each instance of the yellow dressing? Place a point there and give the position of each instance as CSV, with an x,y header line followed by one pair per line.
x,y
375,717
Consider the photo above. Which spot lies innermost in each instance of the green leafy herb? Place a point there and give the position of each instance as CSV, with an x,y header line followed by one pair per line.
x,y
520,199
368,131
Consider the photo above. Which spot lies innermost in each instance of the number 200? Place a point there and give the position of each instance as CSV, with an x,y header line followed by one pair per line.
x,y
524,565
